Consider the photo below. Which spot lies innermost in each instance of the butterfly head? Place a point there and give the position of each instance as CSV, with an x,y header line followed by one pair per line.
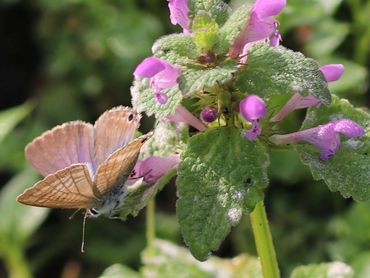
x,y
93,213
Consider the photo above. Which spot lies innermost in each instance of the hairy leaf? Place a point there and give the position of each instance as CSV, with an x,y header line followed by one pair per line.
x,y
218,10
194,79
278,70
143,99
348,171
165,259
221,177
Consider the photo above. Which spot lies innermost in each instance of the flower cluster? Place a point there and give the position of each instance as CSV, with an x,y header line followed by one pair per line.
x,y
261,26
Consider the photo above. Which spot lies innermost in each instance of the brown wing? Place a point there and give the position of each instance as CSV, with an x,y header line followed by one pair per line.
x,y
114,129
71,187
61,147
116,169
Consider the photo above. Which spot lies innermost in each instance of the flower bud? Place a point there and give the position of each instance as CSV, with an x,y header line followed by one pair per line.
x,y
208,115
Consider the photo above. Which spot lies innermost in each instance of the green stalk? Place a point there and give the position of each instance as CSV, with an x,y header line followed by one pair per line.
x,y
264,244
16,263
150,222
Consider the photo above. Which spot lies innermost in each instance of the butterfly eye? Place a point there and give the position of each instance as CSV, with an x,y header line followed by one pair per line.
x,y
94,211
130,117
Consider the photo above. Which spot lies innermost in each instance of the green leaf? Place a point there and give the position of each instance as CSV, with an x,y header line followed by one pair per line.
x,y
196,79
168,139
119,271
205,31
11,117
324,270
143,99
218,10
235,24
166,259
221,177
182,47
139,194
19,221
348,170
278,70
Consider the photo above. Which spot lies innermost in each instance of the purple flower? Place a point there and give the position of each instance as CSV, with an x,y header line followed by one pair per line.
x,y
253,108
153,168
260,26
295,102
161,73
208,115
325,137
182,115
331,73
179,11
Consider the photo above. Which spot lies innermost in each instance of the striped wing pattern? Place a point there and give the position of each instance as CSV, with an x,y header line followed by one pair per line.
x,y
71,187
114,129
70,154
116,169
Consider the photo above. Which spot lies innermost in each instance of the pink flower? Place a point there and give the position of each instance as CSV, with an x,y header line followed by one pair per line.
x,y
331,73
260,26
153,168
325,137
161,73
253,108
182,115
179,11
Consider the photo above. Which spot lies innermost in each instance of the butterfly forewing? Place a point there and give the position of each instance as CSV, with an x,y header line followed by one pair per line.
x,y
61,147
114,129
116,169
71,187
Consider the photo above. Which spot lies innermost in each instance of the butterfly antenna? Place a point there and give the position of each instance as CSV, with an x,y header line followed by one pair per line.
x,y
83,234
73,214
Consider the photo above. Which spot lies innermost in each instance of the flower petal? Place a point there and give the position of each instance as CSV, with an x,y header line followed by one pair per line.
x,y
154,167
266,8
349,128
179,11
252,108
208,115
332,72
149,67
182,115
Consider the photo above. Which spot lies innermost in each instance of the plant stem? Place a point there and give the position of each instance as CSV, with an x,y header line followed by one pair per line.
x,y
150,222
16,263
263,240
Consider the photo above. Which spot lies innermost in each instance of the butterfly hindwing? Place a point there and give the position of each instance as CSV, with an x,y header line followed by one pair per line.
x,y
118,166
71,187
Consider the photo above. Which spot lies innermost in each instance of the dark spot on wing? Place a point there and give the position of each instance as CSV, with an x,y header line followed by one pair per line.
x,y
130,117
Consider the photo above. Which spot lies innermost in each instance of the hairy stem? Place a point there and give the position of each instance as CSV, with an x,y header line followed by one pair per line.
x,y
264,244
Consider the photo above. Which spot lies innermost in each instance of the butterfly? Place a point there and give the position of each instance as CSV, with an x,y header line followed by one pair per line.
x,y
85,166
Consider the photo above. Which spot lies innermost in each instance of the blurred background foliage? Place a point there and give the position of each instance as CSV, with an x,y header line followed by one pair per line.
x,y
72,59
